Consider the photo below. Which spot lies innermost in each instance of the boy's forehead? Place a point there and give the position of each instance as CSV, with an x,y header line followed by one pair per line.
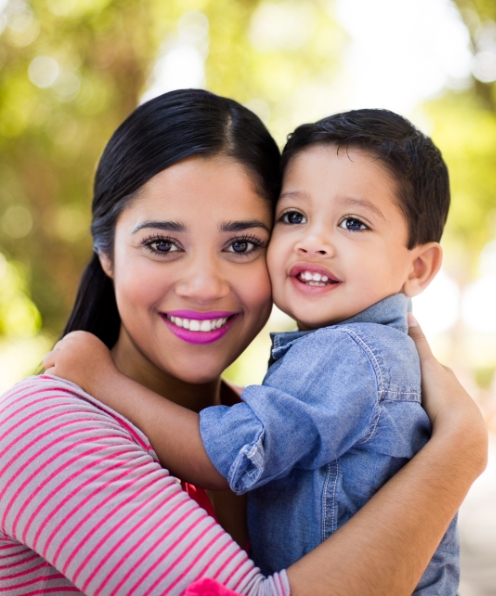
x,y
330,156
350,176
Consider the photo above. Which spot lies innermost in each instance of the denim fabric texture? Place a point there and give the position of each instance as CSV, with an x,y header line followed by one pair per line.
x,y
338,414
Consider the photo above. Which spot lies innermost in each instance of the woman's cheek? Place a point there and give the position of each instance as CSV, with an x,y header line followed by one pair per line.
x,y
141,283
257,290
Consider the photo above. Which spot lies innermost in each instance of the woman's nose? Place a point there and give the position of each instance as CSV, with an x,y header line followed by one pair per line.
x,y
203,282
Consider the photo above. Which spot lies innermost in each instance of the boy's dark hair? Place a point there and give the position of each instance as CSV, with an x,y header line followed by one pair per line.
x,y
411,157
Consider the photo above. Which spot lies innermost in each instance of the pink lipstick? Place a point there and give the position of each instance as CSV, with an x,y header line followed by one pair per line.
x,y
199,327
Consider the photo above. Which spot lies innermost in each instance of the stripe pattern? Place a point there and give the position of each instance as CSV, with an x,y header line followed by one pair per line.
x,y
85,506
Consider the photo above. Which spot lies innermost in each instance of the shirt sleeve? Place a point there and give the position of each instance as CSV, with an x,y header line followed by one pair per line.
x,y
83,497
316,402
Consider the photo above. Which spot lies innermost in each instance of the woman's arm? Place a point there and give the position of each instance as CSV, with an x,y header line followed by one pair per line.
x,y
384,549
84,503
386,546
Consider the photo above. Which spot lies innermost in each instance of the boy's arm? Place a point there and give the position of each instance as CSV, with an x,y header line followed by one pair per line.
x,y
173,430
309,411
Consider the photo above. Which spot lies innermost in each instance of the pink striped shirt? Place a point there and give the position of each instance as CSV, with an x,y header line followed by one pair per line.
x,y
85,506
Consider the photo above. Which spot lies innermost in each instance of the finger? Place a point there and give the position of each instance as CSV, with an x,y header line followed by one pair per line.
x,y
48,360
50,371
416,333
58,346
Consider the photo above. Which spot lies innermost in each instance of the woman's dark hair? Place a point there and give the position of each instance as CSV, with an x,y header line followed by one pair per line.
x,y
411,157
158,134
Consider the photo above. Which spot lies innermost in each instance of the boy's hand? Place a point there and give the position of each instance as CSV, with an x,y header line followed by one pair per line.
x,y
82,358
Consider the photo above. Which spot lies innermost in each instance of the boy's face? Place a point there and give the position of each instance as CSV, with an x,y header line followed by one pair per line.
x,y
340,240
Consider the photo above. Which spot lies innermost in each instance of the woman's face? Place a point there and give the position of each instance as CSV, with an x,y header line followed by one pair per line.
x,y
189,269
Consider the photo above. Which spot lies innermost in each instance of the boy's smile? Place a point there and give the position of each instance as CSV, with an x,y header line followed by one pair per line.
x,y
339,243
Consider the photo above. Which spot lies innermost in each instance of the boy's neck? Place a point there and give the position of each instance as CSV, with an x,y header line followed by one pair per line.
x,y
338,320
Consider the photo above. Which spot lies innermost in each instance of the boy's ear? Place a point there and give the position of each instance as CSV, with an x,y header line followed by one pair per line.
x,y
106,263
427,260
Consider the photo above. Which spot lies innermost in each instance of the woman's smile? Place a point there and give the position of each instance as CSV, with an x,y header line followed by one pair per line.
x,y
199,327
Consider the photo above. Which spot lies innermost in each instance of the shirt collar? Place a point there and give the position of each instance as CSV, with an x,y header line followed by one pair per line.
x,y
390,311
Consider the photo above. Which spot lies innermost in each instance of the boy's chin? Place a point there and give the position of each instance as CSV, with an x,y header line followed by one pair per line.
x,y
311,325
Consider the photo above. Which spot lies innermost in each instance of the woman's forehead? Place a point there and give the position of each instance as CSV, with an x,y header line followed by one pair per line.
x,y
198,190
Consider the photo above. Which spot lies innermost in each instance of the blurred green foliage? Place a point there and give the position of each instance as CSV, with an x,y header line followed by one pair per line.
x,y
465,130
72,70
464,127
480,18
19,317
89,60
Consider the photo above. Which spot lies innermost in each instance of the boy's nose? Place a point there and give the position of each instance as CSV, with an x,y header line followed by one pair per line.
x,y
315,244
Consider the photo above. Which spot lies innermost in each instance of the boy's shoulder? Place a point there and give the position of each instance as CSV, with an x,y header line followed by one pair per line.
x,y
367,336
389,354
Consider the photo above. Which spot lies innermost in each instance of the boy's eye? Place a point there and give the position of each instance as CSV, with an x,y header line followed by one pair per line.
x,y
353,224
293,217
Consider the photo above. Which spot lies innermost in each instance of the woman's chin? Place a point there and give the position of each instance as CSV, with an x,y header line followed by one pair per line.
x,y
197,373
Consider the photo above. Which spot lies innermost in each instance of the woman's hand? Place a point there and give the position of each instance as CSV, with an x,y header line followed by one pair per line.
x,y
82,358
386,546
446,402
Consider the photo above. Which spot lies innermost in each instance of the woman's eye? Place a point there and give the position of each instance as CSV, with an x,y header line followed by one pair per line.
x,y
353,224
242,247
161,246
293,217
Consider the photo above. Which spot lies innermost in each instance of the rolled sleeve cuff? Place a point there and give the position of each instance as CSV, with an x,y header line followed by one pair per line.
x,y
233,439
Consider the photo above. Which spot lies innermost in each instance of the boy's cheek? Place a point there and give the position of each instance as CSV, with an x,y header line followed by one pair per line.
x,y
274,257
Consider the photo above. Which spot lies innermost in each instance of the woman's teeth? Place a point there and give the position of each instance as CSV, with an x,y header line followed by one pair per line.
x,y
196,325
313,279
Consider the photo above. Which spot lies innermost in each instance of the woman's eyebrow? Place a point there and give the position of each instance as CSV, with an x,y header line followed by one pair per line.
x,y
168,226
240,226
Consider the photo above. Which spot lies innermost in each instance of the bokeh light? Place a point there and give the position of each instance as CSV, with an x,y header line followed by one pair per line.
x,y
43,71
17,221
438,307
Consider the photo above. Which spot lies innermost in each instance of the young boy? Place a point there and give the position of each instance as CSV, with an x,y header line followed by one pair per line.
x,y
364,201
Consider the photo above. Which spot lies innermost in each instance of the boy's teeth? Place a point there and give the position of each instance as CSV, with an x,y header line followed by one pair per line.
x,y
196,325
314,279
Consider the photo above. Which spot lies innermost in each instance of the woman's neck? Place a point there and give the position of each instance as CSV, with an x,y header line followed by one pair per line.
x,y
132,363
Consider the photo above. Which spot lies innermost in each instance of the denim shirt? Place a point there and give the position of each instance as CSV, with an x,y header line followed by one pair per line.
x,y
338,414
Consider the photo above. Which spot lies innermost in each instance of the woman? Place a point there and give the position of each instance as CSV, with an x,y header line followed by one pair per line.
x,y
85,506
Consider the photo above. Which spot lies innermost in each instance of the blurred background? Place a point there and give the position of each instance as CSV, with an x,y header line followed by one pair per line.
x,y
72,70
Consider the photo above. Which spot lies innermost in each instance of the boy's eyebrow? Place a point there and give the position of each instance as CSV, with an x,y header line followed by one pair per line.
x,y
353,201
293,194
240,226
168,226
